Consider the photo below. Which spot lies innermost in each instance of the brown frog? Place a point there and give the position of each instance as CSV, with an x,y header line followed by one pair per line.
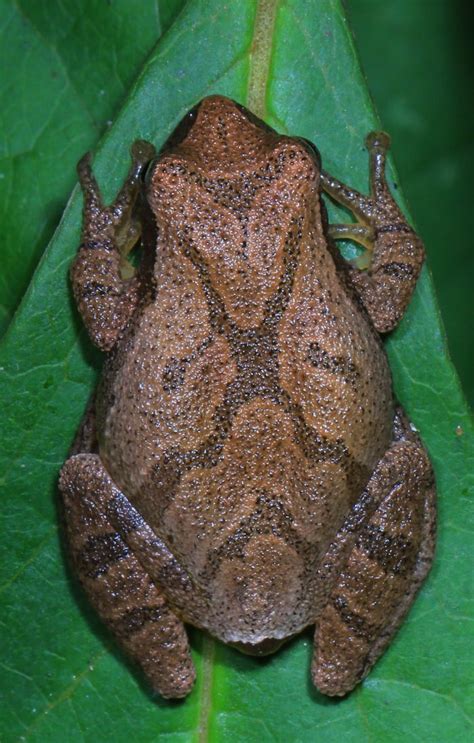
x,y
243,467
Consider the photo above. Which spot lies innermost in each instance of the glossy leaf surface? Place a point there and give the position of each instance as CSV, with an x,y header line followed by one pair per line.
x,y
62,677
418,81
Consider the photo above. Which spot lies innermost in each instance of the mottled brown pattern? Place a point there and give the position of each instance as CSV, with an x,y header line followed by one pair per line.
x,y
117,584
246,473
389,561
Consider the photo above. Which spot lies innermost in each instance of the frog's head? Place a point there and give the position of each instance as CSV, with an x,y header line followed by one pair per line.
x,y
232,192
221,138
220,133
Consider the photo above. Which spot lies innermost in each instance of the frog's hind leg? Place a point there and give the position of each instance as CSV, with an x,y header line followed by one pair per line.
x,y
389,561
116,583
105,289
395,252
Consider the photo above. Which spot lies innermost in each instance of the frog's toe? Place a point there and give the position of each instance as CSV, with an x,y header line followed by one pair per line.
x,y
142,151
378,141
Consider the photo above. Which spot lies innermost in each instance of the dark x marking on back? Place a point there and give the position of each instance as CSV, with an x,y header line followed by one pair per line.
x,y
255,352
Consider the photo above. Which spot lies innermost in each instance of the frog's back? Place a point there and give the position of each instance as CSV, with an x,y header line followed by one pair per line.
x,y
258,391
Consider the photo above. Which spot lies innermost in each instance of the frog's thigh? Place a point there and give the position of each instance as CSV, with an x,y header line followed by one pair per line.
x,y
386,567
117,584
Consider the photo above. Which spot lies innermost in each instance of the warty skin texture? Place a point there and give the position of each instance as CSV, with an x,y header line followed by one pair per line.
x,y
243,467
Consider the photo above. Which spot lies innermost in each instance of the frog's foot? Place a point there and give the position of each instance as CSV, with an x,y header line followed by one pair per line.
x,y
385,569
394,254
117,584
103,281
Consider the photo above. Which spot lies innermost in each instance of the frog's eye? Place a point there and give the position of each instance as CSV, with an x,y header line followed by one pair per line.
x,y
312,149
148,172
253,119
182,130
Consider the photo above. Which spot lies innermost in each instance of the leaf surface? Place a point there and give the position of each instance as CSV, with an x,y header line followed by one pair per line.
x,y
418,81
62,677
69,68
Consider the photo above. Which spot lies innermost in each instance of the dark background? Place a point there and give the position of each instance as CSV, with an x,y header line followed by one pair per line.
x,y
418,59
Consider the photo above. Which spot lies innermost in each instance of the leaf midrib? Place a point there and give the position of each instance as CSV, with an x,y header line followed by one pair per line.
x,y
260,52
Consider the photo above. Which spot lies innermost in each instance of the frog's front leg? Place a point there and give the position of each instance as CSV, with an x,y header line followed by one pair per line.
x,y
117,584
395,252
390,559
105,295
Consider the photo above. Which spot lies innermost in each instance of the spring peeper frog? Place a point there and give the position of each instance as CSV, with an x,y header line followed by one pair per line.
x,y
243,466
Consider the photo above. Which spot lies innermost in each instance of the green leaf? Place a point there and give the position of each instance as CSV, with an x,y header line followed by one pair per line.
x,y
62,677
418,81
69,68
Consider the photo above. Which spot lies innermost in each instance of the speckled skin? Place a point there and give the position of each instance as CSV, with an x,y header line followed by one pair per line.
x,y
243,467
